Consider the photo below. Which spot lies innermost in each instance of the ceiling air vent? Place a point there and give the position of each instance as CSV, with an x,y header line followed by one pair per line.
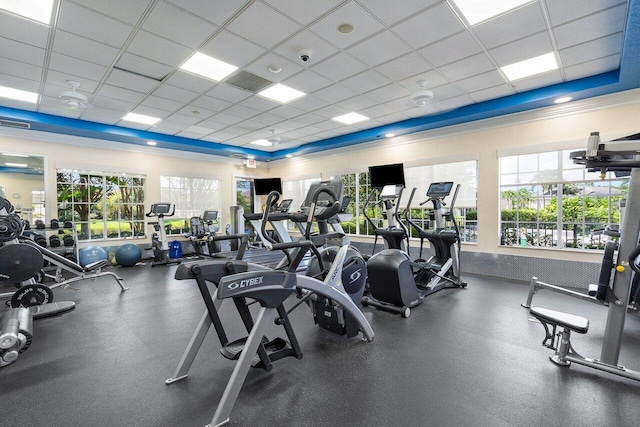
x,y
15,124
248,81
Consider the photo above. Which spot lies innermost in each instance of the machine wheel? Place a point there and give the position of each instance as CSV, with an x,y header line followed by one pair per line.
x,y
29,295
406,312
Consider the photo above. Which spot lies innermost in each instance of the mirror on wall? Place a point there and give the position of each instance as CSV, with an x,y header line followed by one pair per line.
x,y
22,181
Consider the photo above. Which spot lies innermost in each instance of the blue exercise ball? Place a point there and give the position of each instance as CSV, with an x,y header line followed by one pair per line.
x,y
91,254
128,255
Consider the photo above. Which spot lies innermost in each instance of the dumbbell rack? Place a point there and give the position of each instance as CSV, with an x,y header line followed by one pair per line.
x,y
52,271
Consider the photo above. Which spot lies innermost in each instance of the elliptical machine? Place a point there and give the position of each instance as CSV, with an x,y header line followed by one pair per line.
x,y
397,283
159,242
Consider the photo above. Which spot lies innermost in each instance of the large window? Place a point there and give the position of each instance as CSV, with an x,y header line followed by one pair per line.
x,y
548,201
297,191
191,197
357,186
101,205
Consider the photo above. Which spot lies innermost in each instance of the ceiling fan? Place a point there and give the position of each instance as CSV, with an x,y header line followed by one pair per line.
x,y
72,98
423,97
274,139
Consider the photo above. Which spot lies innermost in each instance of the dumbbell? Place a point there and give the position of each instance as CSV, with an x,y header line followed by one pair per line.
x,y
39,224
68,224
54,224
54,241
68,240
40,240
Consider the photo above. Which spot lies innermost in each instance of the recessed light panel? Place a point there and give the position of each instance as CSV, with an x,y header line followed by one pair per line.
x,y
475,11
262,142
350,118
152,143
38,10
529,67
207,66
281,93
563,99
18,95
16,165
139,118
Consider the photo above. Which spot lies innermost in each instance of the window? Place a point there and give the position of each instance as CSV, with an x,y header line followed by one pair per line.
x,y
37,203
297,191
101,205
357,186
191,197
548,201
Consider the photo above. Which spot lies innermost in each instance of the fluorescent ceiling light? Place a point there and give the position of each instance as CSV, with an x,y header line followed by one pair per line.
x,y
563,99
16,165
207,66
38,10
350,118
139,118
152,143
281,93
262,142
475,11
529,67
19,95
17,155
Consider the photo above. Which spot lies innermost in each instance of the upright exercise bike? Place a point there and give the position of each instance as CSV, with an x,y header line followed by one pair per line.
x,y
397,283
159,242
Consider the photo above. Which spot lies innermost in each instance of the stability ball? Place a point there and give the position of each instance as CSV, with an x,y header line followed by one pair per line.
x,y
91,254
128,255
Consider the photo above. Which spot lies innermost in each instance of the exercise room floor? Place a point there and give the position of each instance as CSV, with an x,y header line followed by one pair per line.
x,y
465,357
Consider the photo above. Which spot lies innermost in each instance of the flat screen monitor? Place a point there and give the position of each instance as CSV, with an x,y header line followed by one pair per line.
x,y
386,175
264,186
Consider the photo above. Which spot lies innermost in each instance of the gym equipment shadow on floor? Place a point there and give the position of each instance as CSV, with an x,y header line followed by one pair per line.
x,y
464,358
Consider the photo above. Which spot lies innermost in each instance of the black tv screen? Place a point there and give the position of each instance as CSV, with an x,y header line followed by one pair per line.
x,y
264,186
386,175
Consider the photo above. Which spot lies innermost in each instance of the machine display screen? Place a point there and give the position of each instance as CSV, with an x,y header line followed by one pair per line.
x,y
264,186
439,189
386,175
210,215
161,208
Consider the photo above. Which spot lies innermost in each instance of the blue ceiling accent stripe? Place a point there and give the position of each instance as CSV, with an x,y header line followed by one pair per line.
x,y
627,77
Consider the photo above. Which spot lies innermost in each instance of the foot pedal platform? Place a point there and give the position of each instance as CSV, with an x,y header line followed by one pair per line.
x,y
276,349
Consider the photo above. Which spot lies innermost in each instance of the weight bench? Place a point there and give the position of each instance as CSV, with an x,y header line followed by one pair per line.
x,y
568,323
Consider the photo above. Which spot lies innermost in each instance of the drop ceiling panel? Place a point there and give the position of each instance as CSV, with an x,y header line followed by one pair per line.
x,y
184,119
320,49
366,81
388,93
439,19
335,93
85,49
390,14
158,49
216,11
301,11
308,81
364,25
434,78
453,103
594,67
451,49
511,26
232,49
528,47
23,30
241,111
131,81
605,46
76,67
492,93
58,81
546,79
185,80
467,67
210,103
286,111
309,103
169,22
564,11
481,81
104,102
22,52
591,27
329,112
403,67
92,25
144,66
115,92
175,93
251,25
127,11
260,67
339,67
379,48
20,69
161,103
196,112
167,127
153,112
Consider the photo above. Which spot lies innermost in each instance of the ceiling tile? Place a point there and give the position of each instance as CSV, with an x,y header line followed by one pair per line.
x,y
258,103
210,103
219,136
564,11
228,93
367,81
518,23
467,67
23,30
196,112
388,93
378,49
158,49
22,52
175,93
102,115
167,127
241,111
310,119
528,47
320,49
481,81
308,103
115,92
307,81
492,93
453,103
152,112
339,67
451,49
58,81
433,78
128,11
216,11
169,22
266,118
303,12
390,14
591,27
186,80
599,48
20,69
376,111
440,21
143,66
161,103
85,49
184,119
286,111
251,25
76,67
131,81
403,67
260,67
357,103
591,68
329,112
12,103
538,81
112,104
92,25
335,93
232,49
352,13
